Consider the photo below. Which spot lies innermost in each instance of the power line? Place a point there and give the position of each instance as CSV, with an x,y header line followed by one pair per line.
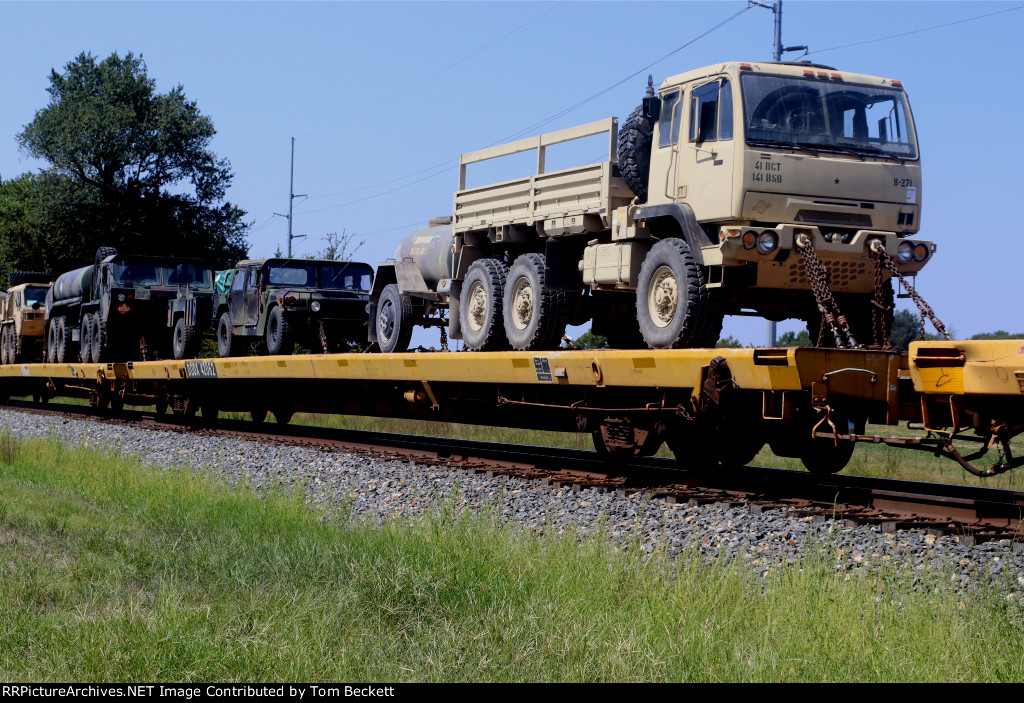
x,y
914,31
535,126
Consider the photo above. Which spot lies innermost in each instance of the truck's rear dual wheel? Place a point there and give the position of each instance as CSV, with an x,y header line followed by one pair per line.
x,y
63,342
394,321
675,308
100,351
534,316
481,305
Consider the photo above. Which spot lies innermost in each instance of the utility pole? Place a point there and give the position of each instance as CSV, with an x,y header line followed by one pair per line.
x,y
291,202
777,51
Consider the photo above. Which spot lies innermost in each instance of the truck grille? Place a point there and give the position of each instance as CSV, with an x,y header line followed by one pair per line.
x,y
839,219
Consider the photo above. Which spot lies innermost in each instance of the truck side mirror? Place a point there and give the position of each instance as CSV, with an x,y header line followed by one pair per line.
x,y
652,108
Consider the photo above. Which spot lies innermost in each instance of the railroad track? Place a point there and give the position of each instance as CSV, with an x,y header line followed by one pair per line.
x,y
973,514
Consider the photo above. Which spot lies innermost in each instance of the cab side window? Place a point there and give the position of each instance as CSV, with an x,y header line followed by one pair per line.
x,y
238,282
711,112
668,123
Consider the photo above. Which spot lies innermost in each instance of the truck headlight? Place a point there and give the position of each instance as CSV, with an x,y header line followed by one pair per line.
x,y
920,252
120,297
749,239
315,306
904,252
767,242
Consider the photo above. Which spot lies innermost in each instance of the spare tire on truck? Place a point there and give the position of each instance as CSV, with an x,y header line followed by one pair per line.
x,y
633,152
16,278
101,254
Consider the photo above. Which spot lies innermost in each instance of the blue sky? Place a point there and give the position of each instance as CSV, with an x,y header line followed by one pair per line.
x,y
382,97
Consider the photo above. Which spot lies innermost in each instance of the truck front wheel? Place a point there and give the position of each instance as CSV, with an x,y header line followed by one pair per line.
x,y
226,343
5,357
279,333
534,316
480,308
675,309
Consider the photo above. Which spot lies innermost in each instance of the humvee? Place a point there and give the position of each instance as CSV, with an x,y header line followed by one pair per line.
x,y
320,303
22,317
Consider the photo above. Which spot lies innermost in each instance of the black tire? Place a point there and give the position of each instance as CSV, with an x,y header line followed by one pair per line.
x,y
394,321
633,152
16,278
51,340
100,350
227,343
481,305
101,254
534,316
4,354
675,309
86,338
184,340
63,342
279,333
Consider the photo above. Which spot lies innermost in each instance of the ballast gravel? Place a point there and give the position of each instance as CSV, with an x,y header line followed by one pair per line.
x,y
379,490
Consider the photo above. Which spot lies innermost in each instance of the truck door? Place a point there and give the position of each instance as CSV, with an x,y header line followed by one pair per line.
x,y
252,297
236,302
705,163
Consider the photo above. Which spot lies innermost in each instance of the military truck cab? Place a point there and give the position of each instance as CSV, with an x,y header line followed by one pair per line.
x,y
321,304
130,307
765,154
22,317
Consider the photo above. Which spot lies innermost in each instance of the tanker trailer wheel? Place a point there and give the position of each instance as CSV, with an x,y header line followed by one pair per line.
x,y
279,333
674,307
86,337
633,152
184,341
480,309
534,316
227,344
394,321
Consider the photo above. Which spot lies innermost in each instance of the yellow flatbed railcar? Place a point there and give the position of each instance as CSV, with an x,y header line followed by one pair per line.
x,y
709,405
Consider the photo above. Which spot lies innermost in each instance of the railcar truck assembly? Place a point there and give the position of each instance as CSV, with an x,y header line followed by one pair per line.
x,y
775,189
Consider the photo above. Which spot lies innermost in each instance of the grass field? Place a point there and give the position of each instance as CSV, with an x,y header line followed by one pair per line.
x,y
114,571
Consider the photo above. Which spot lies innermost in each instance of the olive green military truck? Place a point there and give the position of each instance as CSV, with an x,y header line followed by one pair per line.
x,y
785,190
22,317
321,304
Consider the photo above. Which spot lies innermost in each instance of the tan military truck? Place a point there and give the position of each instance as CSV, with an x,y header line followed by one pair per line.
x,y
22,317
740,188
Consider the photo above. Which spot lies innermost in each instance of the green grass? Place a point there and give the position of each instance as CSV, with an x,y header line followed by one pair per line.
x,y
114,571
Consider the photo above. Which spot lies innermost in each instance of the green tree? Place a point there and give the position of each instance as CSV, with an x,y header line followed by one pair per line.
x,y
795,339
729,342
340,247
998,334
589,340
129,167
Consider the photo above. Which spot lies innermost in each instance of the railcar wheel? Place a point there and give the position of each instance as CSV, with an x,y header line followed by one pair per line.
x,y
394,321
619,441
283,417
534,316
480,309
279,333
258,415
227,343
675,308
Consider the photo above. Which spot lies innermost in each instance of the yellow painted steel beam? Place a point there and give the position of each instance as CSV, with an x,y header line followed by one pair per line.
x,y
991,367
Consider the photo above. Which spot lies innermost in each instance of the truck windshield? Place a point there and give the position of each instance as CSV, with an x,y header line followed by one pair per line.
x,y
293,274
851,117
344,276
35,295
136,272
187,274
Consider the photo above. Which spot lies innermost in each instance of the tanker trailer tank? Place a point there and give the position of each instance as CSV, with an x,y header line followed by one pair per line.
x,y
73,284
424,258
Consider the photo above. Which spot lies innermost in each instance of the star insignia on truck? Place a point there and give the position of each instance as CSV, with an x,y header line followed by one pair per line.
x,y
837,181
